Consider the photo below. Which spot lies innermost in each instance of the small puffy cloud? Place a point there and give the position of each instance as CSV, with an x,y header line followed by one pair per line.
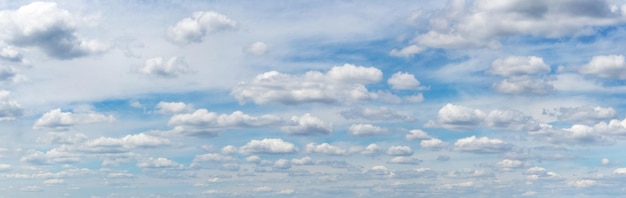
x,y
159,163
582,183
205,123
457,117
5,167
609,66
616,128
524,85
168,68
9,108
54,181
482,145
372,149
268,146
433,144
404,160
49,28
282,164
575,135
308,125
198,160
375,114
582,114
58,120
512,120
229,149
62,138
339,84
403,81
519,65
140,140
325,148
302,161
11,54
417,134
619,171
257,48
173,107
508,164
399,151
407,51
363,130
193,29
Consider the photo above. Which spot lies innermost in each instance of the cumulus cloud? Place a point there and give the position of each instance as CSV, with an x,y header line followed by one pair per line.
x,y
198,160
49,28
257,48
363,130
582,114
193,29
167,68
375,114
302,161
522,75
159,163
457,117
308,125
519,65
399,151
524,85
482,145
340,84
205,123
141,140
433,144
58,120
511,120
403,81
582,183
325,148
608,66
404,160
268,146
9,108
575,135
12,55
508,164
173,107
417,134
407,51
372,149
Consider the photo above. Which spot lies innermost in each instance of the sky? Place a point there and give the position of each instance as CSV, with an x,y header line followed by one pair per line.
x,y
176,98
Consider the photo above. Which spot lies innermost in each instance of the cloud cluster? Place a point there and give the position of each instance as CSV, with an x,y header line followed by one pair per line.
x,y
459,117
522,75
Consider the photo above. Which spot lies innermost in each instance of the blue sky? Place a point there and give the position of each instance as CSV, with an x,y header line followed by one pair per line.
x,y
312,99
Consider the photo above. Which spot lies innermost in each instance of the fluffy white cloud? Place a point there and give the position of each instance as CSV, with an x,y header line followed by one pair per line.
x,y
9,108
193,29
375,114
616,128
433,144
159,163
609,66
407,51
49,28
524,85
582,183
229,149
126,142
282,164
582,114
11,54
302,161
417,134
457,117
519,65
205,123
372,149
511,120
575,135
508,164
362,130
198,160
619,171
341,83
399,151
325,148
403,81
308,125
60,121
173,107
268,146
482,145
257,49
404,160
169,68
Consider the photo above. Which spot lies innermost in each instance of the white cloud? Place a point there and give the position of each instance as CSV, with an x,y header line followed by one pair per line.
x,y
457,117
302,161
404,160
268,146
481,145
325,148
399,151
49,28
308,125
407,51
11,54
54,181
616,128
363,130
211,158
403,81
60,121
619,171
62,138
524,85
575,135
173,107
9,109
168,68
508,164
257,48
609,66
194,29
229,149
417,134
340,84
433,144
159,163
372,149
583,114
375,114
8,75
519,65
282,164
205,123
127,142
582,183
511,120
